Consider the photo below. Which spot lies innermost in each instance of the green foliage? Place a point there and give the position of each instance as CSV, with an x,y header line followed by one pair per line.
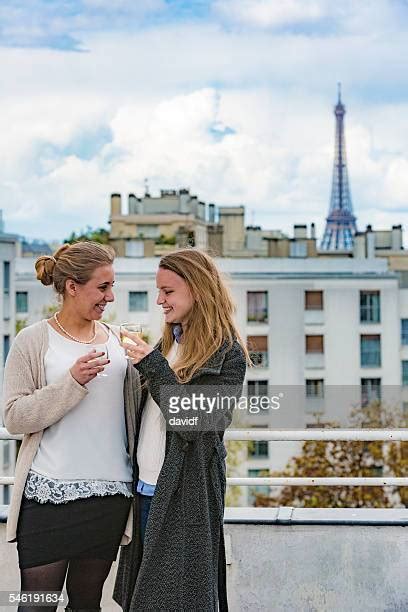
x,y
49,310
96,235
165,239
350,459
21,324
236,455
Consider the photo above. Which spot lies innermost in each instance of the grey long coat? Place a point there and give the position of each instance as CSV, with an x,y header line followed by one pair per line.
x,y
183,563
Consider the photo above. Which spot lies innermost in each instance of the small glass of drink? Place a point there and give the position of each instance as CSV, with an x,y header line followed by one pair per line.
x,y
133,328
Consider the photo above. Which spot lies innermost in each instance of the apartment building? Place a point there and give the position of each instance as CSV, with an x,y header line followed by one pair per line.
x,y
154,225
8,249
327,333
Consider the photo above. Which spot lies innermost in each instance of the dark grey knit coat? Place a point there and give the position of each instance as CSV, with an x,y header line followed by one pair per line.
x,y
183,563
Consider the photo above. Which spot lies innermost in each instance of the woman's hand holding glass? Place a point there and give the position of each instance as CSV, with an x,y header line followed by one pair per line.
x,y
137,349
87,367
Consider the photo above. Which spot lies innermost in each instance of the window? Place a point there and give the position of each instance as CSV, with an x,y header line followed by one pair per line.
x,y
134,248
257,388
370,390
257,304
313,300
298,248
258,489
21,301
403,279
6,495
6,277
6,347
369,306
148,231
404,331
138,301
405,373
258,350
315,387
258,449
314,344
370,351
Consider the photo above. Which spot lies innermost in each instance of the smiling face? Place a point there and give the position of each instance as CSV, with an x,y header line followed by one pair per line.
x,y
92,297
174,296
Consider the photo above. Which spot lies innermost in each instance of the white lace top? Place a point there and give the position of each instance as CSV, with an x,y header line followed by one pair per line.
x,y
85,453
43,489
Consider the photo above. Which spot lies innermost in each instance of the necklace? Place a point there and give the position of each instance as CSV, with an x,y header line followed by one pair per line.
x,y
73,337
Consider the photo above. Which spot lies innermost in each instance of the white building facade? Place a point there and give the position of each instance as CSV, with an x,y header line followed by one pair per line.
x,y
327,334
8,250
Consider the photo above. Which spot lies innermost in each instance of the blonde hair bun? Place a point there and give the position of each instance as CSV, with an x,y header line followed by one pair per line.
x,y
44,266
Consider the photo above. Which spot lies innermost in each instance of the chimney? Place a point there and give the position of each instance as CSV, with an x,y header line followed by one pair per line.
x,y
211,213
116,204
370,242
132,204
396,238
359,248
201,211
312,231
184,201
300,231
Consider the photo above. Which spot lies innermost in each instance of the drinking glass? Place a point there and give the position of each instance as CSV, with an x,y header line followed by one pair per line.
x,y
102,348
133,328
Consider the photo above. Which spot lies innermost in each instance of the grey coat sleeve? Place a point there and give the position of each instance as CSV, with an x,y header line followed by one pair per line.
x,y
228,377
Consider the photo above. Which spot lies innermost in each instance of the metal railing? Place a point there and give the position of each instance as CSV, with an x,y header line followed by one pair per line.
x,y
327,435
295,435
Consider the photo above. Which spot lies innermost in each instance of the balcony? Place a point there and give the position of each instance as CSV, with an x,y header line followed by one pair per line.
x,y
298,559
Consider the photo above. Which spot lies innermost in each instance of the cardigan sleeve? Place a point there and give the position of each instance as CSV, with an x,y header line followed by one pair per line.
x,y
27,409
163,384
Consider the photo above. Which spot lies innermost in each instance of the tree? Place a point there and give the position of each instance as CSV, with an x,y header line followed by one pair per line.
x,y
236,455
97,235
49,310
21,324
163,239
351,459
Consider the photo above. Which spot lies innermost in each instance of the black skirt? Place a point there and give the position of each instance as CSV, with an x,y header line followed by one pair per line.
x,y
90,528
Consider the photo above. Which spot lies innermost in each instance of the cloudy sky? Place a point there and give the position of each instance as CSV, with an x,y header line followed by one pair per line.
x,y
231,98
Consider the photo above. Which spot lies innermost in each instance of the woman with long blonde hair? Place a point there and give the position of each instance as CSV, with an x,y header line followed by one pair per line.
x,y
177,560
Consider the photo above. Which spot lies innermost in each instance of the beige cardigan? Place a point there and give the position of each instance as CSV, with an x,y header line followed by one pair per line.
x,y
30,406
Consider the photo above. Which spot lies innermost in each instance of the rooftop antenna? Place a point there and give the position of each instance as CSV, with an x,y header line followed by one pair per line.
x,y
146,184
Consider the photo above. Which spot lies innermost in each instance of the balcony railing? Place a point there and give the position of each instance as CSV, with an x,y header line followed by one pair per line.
x,y
287,435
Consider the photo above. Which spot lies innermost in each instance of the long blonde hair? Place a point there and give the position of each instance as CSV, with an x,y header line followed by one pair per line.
x,y
210,322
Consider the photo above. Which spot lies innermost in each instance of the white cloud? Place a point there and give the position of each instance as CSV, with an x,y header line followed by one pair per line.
x,y
324,17
161,95
267,13
396,182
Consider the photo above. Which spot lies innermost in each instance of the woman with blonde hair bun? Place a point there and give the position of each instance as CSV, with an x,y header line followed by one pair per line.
x,y
72,499
176,562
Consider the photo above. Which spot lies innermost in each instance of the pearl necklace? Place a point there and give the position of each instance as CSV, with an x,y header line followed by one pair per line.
x,y
73,337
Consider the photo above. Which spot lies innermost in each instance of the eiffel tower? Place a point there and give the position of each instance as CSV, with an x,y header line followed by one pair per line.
x,y
340,223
